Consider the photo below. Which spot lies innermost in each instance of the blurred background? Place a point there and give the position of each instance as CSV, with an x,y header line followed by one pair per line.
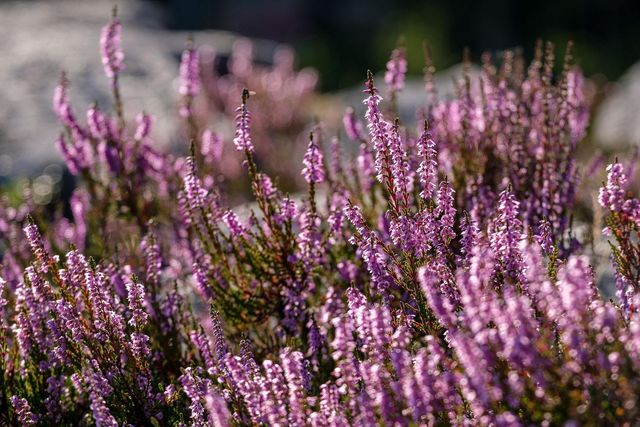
x,y
339,38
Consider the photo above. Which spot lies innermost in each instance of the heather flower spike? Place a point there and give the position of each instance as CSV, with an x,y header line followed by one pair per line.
x,y
34,238
313,170
623,223
379,130
144,126
60,97
396,71
242,139
112,56
352,126
507,233
189,71
428,169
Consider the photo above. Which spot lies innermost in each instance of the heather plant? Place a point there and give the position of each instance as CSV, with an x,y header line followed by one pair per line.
x,y
623,224
514,124
211,87
427,276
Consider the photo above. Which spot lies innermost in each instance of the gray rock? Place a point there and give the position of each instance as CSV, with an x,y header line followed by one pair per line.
x,y
616,124
39,39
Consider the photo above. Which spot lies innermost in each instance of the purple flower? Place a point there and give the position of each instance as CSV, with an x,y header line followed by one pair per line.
x,y
294,372
352,126
70,319
399,167
544,237
430,283
3,304
335,162
23,411
79,204
220,343
309,237
61,99
211,146
136,299
242,139
140,345
288,210
313,170
366,167
217,408
110,49
97,123
274,393
62,108
37,246
201,342
265,185
506,234
611,196
68,156
99,388
243,385
109,153
189,72
379,129
470,236
194,192
428,169
370,249
373,325
196,389
144,126
233,223
579,114
153,259
201,268
396,71
446,211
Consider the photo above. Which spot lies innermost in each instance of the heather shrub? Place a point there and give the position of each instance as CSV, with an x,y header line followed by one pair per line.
x,y
281,104
427,276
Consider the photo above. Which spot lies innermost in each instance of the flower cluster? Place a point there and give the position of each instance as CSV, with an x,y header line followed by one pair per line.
x,y
433,278
514,125
211,85
112,56
623,224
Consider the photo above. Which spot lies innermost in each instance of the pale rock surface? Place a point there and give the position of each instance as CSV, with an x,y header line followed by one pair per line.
x,y
617,122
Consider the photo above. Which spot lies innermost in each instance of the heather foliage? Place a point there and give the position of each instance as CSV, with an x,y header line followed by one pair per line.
x,y
428,276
